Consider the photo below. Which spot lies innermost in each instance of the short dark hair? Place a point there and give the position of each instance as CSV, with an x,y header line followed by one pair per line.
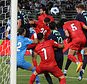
x,y
52,25
21,31
47,19
80,6
40,36
43,8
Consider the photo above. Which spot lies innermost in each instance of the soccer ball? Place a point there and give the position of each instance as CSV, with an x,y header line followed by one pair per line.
x,y
54,10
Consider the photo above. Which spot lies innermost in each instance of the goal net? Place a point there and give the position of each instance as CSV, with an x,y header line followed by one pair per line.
x,y
7,67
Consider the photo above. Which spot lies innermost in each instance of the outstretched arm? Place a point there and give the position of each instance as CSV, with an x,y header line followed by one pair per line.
x,y
58,45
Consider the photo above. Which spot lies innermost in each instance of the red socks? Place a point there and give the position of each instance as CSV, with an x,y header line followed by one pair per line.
x,y
32,79
72,58
63,81
79,57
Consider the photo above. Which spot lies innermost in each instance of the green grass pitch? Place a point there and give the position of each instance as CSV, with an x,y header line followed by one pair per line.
x,y
71,78
23,75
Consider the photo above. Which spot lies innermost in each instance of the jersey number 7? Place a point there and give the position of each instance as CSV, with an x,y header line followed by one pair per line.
x,y
45,54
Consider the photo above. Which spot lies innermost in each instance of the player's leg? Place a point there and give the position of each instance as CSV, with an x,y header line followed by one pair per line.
x,y
67,66
59,58
62,80
48,78
71,56
32,78
69,62
74,59
28,66
57,72
79,55
34,74
84,65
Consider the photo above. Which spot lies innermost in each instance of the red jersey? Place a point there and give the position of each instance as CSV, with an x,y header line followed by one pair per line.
x,y
43,16
46,52
42,28
74,28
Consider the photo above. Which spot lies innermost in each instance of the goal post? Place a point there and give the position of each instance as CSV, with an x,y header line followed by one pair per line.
x,y
8,14
13,41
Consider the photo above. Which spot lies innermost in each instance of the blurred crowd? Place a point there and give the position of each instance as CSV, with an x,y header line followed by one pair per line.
x,y
36,4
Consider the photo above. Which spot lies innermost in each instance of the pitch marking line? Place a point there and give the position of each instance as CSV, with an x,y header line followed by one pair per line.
x,y
53,76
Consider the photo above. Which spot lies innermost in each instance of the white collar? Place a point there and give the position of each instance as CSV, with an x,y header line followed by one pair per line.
x,y
82,11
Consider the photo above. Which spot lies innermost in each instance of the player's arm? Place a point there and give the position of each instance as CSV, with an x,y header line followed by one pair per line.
x,y
55,44
34,57
83,25
31,46
66,33
35,38
19,23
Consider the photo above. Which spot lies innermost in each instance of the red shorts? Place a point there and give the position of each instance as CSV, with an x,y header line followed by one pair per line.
x,y
77,44
51,69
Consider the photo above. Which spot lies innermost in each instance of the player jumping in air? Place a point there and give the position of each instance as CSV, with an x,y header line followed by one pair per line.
x,y
73,30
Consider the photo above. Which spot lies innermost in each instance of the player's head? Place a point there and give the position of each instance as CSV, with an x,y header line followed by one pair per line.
x,y
40,36
79,8
47,20
22,31
52,25
43,10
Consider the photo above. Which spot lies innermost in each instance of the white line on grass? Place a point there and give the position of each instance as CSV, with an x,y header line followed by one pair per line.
x,y
53,76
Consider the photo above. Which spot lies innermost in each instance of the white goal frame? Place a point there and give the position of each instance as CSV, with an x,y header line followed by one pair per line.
x,y
13,41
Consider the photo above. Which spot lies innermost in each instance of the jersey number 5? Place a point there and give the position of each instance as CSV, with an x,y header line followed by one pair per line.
x,y
73,27
45,54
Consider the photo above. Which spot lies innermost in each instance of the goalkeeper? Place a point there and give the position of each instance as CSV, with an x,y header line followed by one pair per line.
x,y
22,43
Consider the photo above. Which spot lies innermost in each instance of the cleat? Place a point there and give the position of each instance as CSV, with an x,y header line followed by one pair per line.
x,y
80,75
37,82
65,72
79,78
79,66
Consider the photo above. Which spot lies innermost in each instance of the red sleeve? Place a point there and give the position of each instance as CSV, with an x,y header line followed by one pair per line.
x,y
31,46
64,27
51,18
54,43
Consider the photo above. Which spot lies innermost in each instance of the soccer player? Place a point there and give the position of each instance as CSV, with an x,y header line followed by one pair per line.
x,y
82,16
43,28
20,19
48,63
73,30
56,36
22,43
43,15
20,22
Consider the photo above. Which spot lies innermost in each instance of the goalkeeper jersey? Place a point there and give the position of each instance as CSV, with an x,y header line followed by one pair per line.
x,y
22,43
